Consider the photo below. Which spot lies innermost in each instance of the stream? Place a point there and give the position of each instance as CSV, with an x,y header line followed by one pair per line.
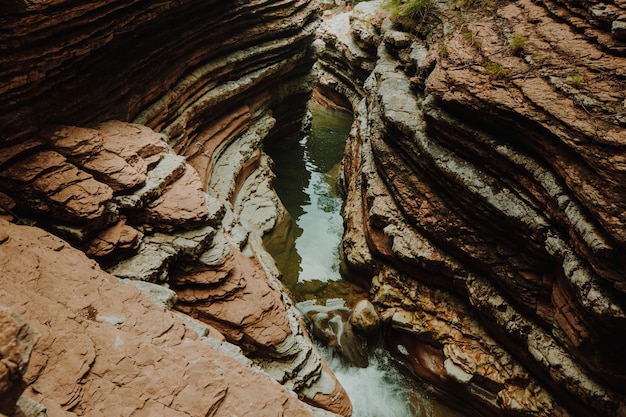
x,y
308,256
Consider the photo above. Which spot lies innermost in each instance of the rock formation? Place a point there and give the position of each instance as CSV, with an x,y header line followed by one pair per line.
x,y
485,195
132,130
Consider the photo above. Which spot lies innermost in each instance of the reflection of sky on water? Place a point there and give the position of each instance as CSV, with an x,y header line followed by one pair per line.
x,y
305,176
322,228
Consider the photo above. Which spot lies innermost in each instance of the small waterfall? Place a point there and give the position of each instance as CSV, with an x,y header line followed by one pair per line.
x,y
309,259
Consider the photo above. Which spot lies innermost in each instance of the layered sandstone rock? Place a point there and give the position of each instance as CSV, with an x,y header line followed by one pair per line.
x,y
133,130
485,197
107,349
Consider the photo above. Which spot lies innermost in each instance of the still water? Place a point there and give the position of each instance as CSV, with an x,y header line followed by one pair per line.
x,y
307,253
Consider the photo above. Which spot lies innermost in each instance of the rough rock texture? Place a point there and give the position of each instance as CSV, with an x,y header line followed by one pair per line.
x,y
105,348
485,205
133,130
16,343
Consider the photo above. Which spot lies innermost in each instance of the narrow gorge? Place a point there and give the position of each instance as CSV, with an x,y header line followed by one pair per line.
x,y
484,214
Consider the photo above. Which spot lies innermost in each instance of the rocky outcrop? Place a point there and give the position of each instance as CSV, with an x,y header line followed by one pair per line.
x,y
133,131
105,348
485,201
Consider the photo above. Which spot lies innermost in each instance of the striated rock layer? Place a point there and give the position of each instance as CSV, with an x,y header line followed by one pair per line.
x,y
133,131
485,196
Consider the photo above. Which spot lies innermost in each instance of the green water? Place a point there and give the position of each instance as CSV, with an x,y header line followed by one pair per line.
x,y
306,250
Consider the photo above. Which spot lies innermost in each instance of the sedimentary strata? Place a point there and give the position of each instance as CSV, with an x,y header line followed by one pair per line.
x,y
485,205
133,131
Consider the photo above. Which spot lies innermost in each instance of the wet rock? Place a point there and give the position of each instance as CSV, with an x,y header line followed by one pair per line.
x,y
364,318
331,325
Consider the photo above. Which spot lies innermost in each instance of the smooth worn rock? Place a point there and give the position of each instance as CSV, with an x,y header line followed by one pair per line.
x,y
364,318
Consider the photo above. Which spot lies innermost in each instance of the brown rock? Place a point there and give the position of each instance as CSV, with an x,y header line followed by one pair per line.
x,y
46,182
365,318
139,145
105,348
17,339
85,148
120,236
182,204
244,306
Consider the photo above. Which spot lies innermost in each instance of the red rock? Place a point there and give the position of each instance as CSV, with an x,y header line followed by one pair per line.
x,y
106,349
17,339
137,144
119,236
244,307
182,204
85,148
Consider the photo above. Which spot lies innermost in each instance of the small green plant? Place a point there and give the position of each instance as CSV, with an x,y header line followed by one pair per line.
x,y
485,5
471,38
575,78
496,69
414,9
443,51
408,10
517,44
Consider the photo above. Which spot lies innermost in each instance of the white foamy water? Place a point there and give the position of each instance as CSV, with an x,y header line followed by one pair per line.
x,y
379,390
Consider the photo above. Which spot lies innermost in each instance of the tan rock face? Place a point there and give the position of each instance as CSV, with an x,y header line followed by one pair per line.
x,y
17,339
486,161
105,348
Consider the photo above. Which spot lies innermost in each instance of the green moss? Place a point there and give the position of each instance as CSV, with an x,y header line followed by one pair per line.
x,y
496,69
408,10
575,78
471,38
517,44
443,51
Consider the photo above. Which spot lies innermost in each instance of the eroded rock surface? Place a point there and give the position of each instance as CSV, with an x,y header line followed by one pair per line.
x,y
485,199
17,339
133,130
105,348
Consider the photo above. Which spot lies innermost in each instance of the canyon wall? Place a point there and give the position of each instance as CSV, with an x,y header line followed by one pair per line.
x,y
486,205
134,194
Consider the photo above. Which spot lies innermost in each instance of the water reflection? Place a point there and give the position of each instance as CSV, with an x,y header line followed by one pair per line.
x,y
306,250
310,195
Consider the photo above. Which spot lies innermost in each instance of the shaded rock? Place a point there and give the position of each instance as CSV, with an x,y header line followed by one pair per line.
x,y
48,184
17,340
120,236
